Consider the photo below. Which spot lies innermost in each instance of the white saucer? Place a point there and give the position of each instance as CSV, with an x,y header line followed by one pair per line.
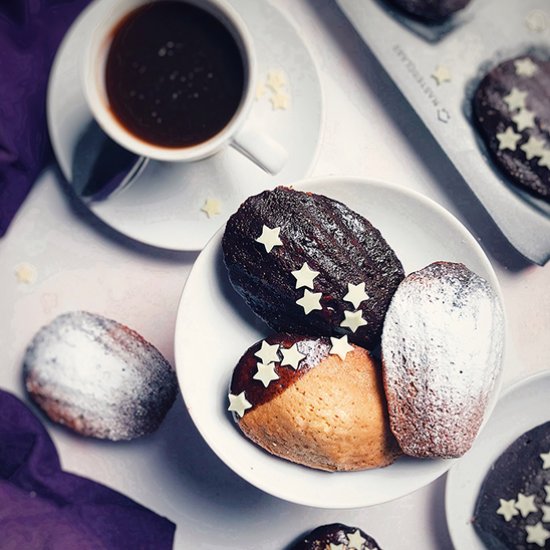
x,y
521,407
215,327
163,207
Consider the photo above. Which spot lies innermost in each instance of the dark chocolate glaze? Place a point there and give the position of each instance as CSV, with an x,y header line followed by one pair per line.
x,y
335,241
492,116
334,533
517,470
430,10
314,349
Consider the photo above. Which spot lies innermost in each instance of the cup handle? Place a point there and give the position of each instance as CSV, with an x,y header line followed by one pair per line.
x,y
261,149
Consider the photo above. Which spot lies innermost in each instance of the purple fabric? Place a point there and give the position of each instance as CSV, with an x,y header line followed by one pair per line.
x,y
30,32
41,506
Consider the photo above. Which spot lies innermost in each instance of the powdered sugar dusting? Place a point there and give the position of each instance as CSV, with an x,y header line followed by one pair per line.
x,y
442,348
98,377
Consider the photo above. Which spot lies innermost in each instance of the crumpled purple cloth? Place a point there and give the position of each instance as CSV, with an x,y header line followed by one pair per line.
x,y
43,507
30,33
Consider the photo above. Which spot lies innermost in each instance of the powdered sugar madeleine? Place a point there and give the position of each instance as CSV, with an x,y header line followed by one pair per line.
x,y
316,401
442,347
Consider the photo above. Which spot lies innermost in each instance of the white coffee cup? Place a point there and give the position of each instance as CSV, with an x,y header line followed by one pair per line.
x,y
238,133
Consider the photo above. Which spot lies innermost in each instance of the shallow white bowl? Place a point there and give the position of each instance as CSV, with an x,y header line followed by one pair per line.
x,y
215,327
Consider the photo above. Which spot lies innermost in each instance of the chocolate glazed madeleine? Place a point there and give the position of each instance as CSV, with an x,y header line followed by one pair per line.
x,y
337,536
345,272
435,11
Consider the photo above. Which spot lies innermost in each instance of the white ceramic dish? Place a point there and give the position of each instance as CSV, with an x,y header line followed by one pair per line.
x,y
520,408
215,327
163,207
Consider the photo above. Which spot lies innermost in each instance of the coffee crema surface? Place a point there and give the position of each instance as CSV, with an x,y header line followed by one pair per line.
x,y
174,74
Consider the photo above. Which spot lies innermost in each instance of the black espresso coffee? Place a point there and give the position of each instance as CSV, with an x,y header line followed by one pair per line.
x,y
174,74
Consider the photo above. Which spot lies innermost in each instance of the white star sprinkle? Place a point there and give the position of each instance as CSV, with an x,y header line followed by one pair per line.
x,y
508,139
534,147
524,119
353,320
340,347
276,80
260,90
336,546
545,457
441,74
546,513
356,294
238,403
268,352
310,301
304,276
526,504
291,357
515,99
525,67
211,207
279,100
25,273
537,534
507,509
355,540
266,373
545,158
547,489
270,238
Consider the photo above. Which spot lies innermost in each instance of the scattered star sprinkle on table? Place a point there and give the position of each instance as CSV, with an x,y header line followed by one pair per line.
x,y
507,509
261,90
25,273
266,373
355,540
291,357
238,404
280,100
536,21
340,347
211,207
525,504
310,301
268,353
537,534
356,294
508,139
441,74
525,67
304,276
515,99
353,320
534,147
276,79
270,238
524,119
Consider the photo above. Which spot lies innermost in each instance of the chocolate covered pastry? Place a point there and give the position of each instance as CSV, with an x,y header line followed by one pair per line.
x,y
336,536
511,109
314,401
307,264
434,11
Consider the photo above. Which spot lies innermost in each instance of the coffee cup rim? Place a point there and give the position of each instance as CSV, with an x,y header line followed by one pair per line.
x,y
93,81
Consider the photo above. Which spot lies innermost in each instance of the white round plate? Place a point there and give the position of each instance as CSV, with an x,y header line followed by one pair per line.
x,y
163,207
215,327
520,408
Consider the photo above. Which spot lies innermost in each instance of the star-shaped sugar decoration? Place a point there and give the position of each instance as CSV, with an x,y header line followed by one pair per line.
x,y
515,99
279,100
537,534
268,353
524,119
545,158
333,546
291,357
340,347
545,513
304,276
526,504
310,301
276,79
353,320
238,404
260,91
270,238
507,509
355,540
525,67
508,139
25,273
211,207
547,489
545,457
356,294
441,74
266,373
533,147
